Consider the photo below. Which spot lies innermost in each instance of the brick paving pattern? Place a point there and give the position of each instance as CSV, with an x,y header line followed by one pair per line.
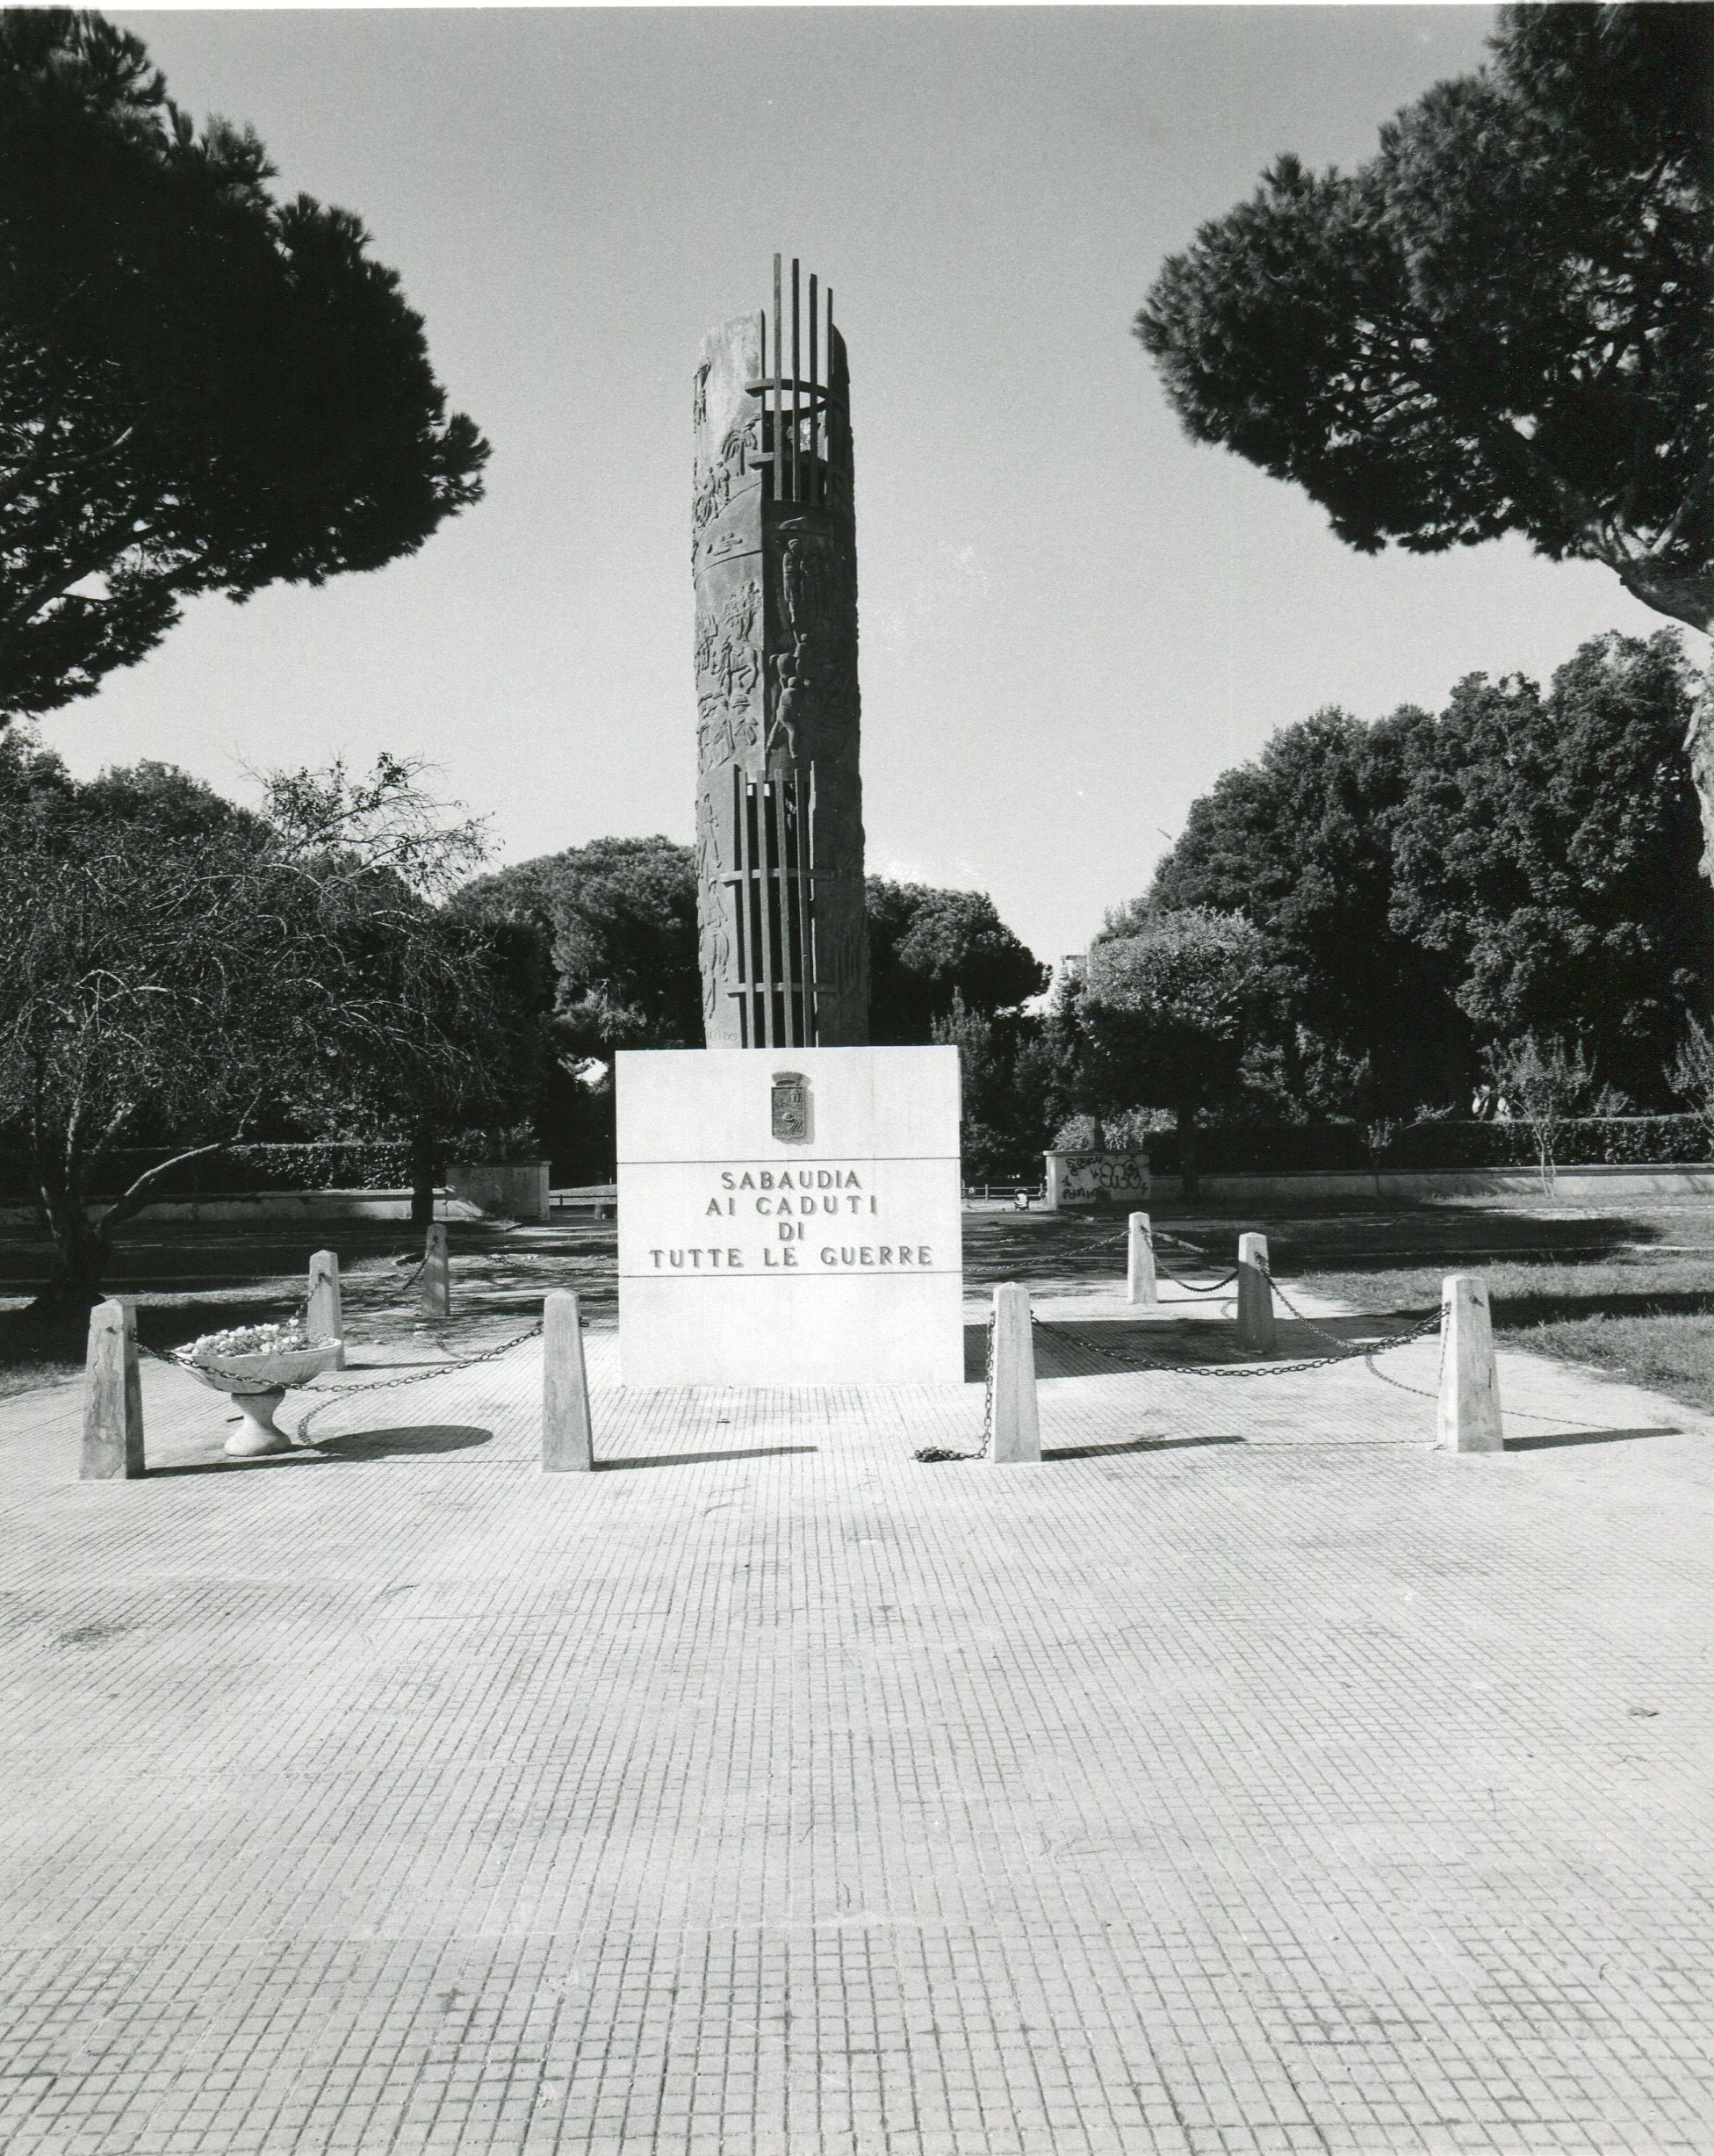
x,y
1248,1777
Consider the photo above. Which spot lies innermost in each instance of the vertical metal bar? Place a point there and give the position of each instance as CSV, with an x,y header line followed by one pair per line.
x,y
777,885
754,462
779,468
750,907
806,841
796,364
784,789
758,901
788,920
832,351
747,903
808,963
801,877
816,399
740,908
769,1036
789,911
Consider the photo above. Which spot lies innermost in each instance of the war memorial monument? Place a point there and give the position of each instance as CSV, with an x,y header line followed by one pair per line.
x,y
788,1195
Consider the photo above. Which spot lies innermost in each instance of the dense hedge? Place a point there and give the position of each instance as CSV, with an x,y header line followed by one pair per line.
x,y
1588,1141
360,1163
332,1163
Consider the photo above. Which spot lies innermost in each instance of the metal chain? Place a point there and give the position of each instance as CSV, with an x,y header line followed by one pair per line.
x,y
1177,1279
1525,1414
332,1398
1190,1286
1320,1332
1348,1351
931,1455
437,1333
299,1316
1380,1347
1398,1385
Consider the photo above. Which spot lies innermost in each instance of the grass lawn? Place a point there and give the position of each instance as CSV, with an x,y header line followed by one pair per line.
x,y
24,1365
187,1279
1630,1291
1645,1315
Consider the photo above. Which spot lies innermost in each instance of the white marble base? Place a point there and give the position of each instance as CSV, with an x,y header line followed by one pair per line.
x,y
831,1258
258,1434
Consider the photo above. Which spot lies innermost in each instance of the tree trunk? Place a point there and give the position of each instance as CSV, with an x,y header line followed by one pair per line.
x,y
1699,746
1687,598
423,1177
84,1246
1188,1172
83,1251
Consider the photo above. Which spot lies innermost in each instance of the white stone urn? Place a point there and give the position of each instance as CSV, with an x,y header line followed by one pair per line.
x,y
257,1384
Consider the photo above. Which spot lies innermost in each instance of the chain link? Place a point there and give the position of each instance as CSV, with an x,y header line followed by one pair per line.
x,y
1322,1333
1189,1288
931,1455
1347,1352
1527,1415
331,1398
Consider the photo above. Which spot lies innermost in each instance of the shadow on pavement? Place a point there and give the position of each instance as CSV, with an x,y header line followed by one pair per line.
x,y
1100,1347
220,1465
1053,1254
1554,1439
1130,1444
409,1440
1449,1235
693,1459
1546,1306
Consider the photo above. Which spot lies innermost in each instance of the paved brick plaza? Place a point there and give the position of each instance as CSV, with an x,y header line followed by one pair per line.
x,y
1246,1777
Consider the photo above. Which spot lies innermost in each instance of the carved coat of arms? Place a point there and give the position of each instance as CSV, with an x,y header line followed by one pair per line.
x,y
791,1107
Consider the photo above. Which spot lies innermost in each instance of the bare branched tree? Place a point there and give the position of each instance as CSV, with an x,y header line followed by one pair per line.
x,y
1545,1083
181,968
1692,1075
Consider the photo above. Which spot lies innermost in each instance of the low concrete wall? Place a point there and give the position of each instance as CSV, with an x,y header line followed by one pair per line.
x,y
599,1199
277,1205
1598,1186
1099,1180
515,1190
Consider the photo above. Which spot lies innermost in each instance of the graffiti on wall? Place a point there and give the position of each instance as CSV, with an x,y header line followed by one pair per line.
x,y
1096,1178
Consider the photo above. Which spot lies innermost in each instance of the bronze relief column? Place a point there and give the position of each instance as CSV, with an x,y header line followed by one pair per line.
x,y
783,939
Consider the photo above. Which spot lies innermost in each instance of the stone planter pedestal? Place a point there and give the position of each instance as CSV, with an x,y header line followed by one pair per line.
x,y
257,1384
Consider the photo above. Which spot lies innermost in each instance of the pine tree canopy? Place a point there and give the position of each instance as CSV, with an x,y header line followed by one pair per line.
x,y
201,389
1500,323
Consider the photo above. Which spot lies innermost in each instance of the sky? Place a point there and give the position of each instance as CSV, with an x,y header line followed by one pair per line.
x,y
1072,618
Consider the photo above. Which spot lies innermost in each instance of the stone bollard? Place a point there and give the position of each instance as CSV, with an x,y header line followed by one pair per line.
x,y
1255,1320
568,1437
1140,1283
1017,1431
434,1291
1468,1420
112,1397
326,1319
